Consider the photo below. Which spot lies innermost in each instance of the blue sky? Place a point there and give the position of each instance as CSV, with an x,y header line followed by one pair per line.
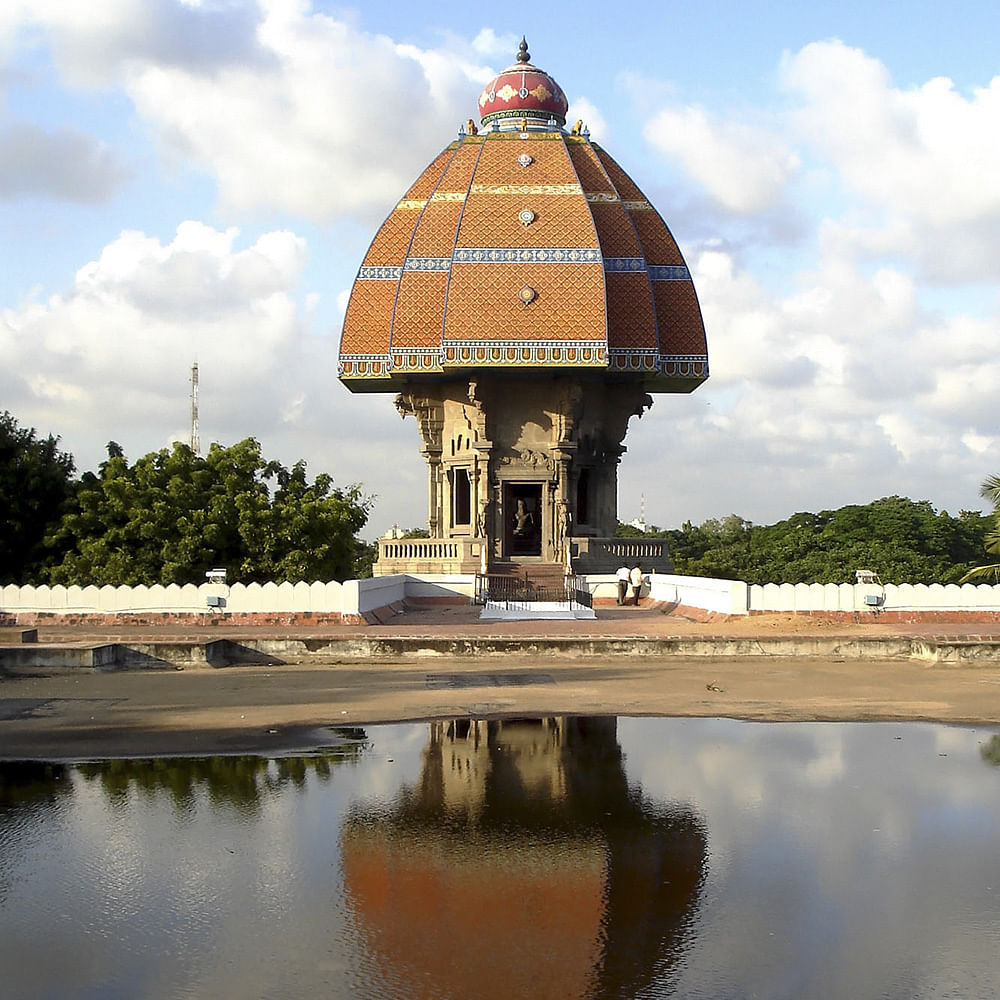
x,y
188,180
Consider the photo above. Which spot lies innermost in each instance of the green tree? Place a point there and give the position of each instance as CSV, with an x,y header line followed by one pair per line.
x,y
35,482
173,515
905,541
990,490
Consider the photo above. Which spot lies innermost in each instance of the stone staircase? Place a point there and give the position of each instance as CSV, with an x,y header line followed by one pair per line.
x,y
538,578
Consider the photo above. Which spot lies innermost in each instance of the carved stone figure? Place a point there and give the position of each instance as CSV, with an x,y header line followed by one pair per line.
x,y
523,520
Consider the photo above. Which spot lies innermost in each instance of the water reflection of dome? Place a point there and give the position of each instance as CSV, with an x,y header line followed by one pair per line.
x,y
522,864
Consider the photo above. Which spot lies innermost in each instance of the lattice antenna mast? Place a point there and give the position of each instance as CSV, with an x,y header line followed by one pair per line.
x,y
195,436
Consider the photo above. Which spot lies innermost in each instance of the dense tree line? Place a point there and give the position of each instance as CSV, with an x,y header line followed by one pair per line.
x,y
170,516
904,541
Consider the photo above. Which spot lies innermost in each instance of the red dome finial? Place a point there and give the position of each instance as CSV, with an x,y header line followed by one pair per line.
x,y
523,91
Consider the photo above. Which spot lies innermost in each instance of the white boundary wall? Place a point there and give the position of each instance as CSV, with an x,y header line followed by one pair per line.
x,y
826,597
727,597
354,597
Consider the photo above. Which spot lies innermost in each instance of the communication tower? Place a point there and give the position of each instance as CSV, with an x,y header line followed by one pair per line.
x,y
195,438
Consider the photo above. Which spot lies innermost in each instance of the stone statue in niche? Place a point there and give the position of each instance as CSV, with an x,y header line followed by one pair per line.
x,y
523,520
564,524
483,520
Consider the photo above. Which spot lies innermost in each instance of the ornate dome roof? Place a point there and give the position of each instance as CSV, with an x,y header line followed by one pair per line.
x,y
523,250
523,91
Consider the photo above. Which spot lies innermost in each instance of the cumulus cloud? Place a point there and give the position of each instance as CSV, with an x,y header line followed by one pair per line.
x,y
921,166
286,108
100,355
745,168
93,43
64,163
582,109
491,45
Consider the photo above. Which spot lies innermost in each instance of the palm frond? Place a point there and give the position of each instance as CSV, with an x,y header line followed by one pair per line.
x,y
990,490
982,573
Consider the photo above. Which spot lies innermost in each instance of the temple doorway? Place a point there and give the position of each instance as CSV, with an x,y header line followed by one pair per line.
x,y
523,519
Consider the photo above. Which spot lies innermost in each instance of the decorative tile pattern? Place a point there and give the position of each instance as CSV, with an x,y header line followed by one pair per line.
x,y
526,255
427,264
499,165
492,220
391,241
615,230
623,184
426,361
368,320
486,307
419,310
367,273
434,235
624,263
525,189
678,316
631,319
633,360
359,366
422,187
669,273
590,172
518,354
658,245
435,232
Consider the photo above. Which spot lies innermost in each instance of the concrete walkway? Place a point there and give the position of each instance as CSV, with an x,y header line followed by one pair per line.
x,y
463,620
440,662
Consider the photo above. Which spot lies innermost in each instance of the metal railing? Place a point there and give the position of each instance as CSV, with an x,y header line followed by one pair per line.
x,y
516,593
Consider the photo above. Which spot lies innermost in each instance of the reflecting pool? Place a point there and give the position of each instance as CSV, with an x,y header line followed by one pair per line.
x,y
546,858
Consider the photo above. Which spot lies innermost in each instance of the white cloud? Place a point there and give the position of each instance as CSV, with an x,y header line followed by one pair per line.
x,y
928,152
64,163
286,108
921,166
582,109
101,354
745,168
93,42
493,46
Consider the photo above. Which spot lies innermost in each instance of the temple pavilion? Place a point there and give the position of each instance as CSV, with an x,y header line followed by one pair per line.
x,y
522,301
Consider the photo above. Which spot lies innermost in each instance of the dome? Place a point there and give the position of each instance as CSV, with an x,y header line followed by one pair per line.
x,y
530,250
523,91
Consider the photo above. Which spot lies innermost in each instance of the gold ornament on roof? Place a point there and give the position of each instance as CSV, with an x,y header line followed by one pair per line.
x,y
577,128
470,127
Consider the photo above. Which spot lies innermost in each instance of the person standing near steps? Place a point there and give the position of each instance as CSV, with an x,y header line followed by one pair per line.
x,y
623,578
635,578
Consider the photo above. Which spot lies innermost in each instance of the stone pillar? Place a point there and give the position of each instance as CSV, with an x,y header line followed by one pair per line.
x,y
436,516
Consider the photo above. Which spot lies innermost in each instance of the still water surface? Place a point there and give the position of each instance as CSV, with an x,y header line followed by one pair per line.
x,y
561,858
